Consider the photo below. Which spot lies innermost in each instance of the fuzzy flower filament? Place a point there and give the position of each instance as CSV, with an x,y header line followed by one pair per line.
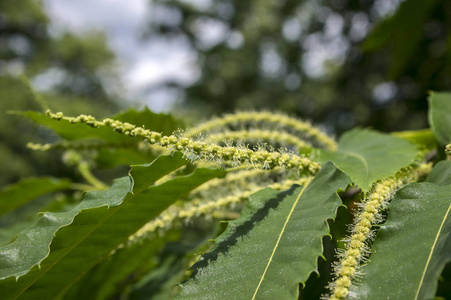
x,y
369,214
277,122
198,207
198,150
270,136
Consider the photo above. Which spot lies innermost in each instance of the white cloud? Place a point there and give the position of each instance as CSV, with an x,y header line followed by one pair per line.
x,y
144,64
160,62
109,15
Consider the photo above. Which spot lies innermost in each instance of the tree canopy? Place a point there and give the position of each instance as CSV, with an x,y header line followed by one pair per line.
x,y
343,63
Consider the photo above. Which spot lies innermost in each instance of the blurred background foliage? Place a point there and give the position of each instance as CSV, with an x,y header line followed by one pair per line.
x,y
340,63
81,64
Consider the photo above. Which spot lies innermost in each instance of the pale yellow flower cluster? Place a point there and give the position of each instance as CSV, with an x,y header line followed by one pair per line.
x,y
259,136
199,150
276,121
199,207
356,250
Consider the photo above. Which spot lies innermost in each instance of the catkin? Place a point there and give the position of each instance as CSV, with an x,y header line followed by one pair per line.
x,y
369,214
276,121
198,207
259,136
199,150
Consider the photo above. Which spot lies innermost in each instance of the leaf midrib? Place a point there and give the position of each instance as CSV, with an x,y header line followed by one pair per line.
x,y
431,252
280,237
365,164
75,245
130,193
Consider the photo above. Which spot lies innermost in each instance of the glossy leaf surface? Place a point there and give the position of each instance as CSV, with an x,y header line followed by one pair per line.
x,y
273,246
367,156
48,258
412,248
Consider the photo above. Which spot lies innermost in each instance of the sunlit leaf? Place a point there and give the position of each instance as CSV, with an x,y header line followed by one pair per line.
x,y
412,247
367,156
273,246
48,258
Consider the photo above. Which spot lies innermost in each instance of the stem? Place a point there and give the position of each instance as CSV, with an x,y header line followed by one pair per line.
x,y
84,170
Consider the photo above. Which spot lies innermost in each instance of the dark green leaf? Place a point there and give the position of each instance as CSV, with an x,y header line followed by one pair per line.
x,y
157,284
273,246
425,138
13,196
113,275
441,173
108,158
412,248
163,123
440,116
46,259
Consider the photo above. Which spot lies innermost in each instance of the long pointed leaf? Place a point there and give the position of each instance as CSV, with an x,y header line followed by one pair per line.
x,y
441,173
273,246
15,195
412,248
440,116
48,258
367,156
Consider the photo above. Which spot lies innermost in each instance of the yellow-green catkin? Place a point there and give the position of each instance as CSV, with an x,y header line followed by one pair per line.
x,y
369,214
272,120
448,149
271,137
237,180
198,150
199,207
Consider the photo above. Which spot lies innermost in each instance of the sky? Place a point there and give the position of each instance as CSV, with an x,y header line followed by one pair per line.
x,y
142,64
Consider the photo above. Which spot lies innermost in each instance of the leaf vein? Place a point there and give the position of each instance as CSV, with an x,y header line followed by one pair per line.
x,y
280,237
430,253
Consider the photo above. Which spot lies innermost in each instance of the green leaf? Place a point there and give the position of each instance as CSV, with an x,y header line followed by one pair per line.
x,y
424,138
157,285
273,246
108,158
15,195
441,173
163,123
46,259
367,156
440,116
112,275
28,214
412,248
